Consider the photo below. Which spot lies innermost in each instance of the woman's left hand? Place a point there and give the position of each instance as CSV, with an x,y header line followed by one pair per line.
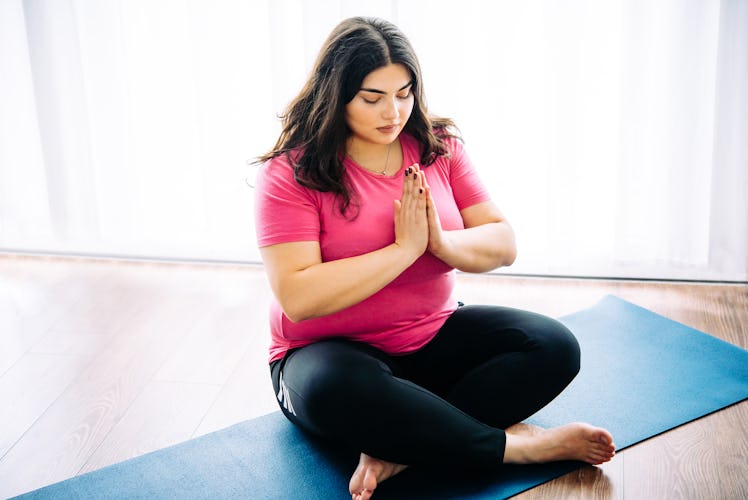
x,y
438,240
485,243
437,235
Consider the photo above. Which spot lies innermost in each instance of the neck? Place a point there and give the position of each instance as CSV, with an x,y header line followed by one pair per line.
x,y
373,157
365,150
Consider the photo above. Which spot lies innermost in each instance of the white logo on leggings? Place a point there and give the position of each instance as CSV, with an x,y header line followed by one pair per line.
x,y
283,396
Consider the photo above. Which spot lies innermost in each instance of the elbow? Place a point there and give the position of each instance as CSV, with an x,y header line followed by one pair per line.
x,y
503,258
296,301
509,252
295,312
298,310
509,256
500,257
292,316
294,305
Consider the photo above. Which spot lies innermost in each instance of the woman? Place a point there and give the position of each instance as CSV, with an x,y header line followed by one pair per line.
x,y
365,207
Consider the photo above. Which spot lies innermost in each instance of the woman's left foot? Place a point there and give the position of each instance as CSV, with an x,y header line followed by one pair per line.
x,y
576,441
369,473
523,429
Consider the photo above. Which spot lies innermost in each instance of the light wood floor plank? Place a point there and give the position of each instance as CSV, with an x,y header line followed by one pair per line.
x,y
678,464
72,429
29,388
247,394
730,440
212,350
34,296
165,413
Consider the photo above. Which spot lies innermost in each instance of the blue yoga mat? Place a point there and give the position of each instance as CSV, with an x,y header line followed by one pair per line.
x,y
642,374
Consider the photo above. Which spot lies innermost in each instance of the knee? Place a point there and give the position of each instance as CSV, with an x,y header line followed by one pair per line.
x,y
331,385
334,375
562,347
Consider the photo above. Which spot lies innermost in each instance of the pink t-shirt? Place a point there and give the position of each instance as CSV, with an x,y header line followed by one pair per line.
x,y
407,313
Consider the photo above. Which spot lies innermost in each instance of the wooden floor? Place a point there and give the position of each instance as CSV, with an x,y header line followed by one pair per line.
x,y
101,361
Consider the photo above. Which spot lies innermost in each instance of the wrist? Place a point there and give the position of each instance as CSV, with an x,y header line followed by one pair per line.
x,y
442,249
407,254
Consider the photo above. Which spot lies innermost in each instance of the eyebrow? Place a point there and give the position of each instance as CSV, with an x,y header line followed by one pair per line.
x,y
377,91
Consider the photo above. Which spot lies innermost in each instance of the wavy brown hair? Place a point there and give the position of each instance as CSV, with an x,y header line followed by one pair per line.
x,y
314,123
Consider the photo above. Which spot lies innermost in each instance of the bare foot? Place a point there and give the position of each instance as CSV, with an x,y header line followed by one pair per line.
x,y
369,473
523,429
575,441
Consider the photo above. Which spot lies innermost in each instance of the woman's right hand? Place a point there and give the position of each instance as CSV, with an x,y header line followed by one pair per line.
x,y
411,222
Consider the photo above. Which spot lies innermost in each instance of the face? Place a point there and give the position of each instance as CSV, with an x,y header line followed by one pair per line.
x,y
378,112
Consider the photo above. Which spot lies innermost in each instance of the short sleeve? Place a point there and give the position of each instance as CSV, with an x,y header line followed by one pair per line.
x,y
285,211
467,187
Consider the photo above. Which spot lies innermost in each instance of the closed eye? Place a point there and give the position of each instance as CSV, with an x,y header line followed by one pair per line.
x,y
405,93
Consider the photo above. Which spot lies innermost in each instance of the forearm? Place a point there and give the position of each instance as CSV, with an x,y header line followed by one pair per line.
x,y
328,287
478,249
306,287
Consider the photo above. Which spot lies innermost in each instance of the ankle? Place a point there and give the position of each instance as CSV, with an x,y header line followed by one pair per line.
x,y
517,449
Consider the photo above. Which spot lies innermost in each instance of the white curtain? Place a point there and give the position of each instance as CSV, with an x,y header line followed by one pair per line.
x,y
613,134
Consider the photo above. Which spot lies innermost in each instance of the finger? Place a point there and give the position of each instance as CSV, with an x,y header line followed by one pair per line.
x,y
410,180
407,191
414,169
430,207
412,183
422,199
421,175
421,187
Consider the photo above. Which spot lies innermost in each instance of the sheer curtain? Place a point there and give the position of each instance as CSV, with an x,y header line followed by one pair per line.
x,y
611,133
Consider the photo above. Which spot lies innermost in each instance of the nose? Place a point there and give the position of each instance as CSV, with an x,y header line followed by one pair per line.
x,y
391,110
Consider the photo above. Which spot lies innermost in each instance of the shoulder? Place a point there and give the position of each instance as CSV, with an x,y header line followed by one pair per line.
x,y
453,148
450,138
276,177
278,169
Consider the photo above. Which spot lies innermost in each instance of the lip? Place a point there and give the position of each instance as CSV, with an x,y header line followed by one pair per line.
x,y
388,129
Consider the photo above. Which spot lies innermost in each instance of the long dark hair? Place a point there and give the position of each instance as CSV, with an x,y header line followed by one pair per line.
x,y
314,122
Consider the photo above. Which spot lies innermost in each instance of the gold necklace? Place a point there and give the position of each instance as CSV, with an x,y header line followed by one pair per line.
x,y
387,160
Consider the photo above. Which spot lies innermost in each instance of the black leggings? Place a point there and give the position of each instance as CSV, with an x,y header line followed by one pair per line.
x,y
488,368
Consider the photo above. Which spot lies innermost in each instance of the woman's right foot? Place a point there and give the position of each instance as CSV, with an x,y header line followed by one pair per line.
x,y
577,441
369,473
